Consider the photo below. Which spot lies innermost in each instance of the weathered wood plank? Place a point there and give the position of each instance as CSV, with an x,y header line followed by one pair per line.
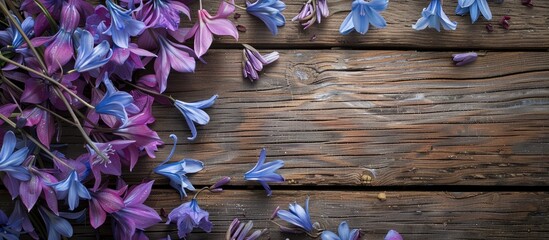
x,y
344,117
528,28
417,215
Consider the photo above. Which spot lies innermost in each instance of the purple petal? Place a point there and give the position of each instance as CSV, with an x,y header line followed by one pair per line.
x,y
138,194
393,235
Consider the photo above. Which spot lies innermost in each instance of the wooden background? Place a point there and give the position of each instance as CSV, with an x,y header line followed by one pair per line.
x,y
460,152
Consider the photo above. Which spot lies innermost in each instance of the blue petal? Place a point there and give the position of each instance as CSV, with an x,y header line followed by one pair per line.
x,y
8,145
266,187
474,12
347,25
484,9
461,11
360,18
465,3
376,19
378,5
204,103
343,230
290,218
327,235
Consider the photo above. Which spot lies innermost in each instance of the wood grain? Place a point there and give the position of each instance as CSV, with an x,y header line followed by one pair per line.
x,y
361,118
416,215
528,28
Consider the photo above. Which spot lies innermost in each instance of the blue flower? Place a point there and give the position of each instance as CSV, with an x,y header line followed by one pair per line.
x,y
188,216
88,57
122,25
474,7
265,172
344,233
362,15
193,113
433,16
115,102
57,225
71,190
269,11
10,162
10,229
13,37
176,171
297,216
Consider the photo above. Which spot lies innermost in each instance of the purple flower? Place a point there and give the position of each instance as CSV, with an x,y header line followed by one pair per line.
x,y
362,15
10,161
38,186
10,229
104,201
162,13
176,171
88,57
59,50
70,17
71,189
344,233
297,216
188,216
238,231
12,37
393,235
209,25
461,59
134,215
474,7
172,55
115,102
6,110
111,165
21,220
58,226
265,172
268,11
312,10
253,62
433,16
125,61
122,25
193,113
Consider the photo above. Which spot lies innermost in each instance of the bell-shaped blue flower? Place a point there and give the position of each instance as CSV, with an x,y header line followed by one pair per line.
x,y
176,171
10,161
433,16
362,15
116,102
12,37
71,189
269,11
123,25
265,172
474,7
88,57
58,226
297,216
189,216
193,113
344,233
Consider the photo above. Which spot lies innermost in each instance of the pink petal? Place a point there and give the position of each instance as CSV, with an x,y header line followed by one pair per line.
x,y
46,129
35,91
138,194
97,215
203,38
225,9
30,191
222,27
162,69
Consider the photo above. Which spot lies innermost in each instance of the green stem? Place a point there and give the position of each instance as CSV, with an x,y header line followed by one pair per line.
x,y
79,126
20,30
56,115
199,191
14,10
52,22
51,80
237,6
9,83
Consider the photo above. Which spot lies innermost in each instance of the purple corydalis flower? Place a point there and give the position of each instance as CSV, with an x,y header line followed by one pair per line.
x,y
193,113
362,15
312,10
265,172
188,216
344,233
176,56
239,231
115,102
88,57
122,25
162,13
268,11
461,59
176,171
209,25
297,216
393,235
12,37
71,189
135,215
11,160
433,16
253,62
474,7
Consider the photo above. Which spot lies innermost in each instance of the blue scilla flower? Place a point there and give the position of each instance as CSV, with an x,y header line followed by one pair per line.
x,y
344,233
71,189
116,102
269,11
265,172
474,7
362,15
433,16
122,25
88,57
13,37
297,216
193,113
177,171
10,161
